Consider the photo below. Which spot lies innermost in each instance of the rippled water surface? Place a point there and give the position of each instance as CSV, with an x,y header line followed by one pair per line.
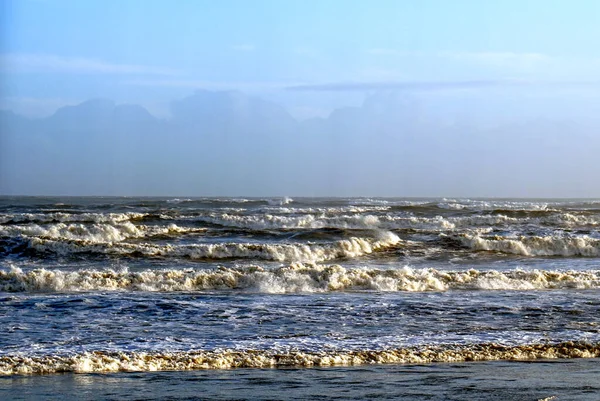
x,y
144,284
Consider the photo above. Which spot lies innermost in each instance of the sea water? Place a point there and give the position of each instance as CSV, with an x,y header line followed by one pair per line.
x,y
440,296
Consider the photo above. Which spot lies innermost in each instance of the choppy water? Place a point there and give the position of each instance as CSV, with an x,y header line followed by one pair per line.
x,y
141,284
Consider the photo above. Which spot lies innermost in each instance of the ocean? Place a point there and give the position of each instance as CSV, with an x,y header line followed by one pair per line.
x,y
303,298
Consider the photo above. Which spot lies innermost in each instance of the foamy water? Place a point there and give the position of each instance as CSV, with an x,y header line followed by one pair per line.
x,y
296,278
94,362
126,284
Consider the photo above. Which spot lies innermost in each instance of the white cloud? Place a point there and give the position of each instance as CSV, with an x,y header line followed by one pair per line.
x,y
30,62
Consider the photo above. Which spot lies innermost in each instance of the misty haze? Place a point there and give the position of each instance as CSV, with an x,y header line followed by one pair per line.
x,y
226,143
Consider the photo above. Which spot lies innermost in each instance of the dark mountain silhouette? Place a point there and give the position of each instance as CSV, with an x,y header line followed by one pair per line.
x,y
228,143
95,111
230,109
98,115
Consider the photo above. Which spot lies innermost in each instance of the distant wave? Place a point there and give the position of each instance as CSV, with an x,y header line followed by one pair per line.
x,y
320,210
388,221
376,201
289,218
483,205
293,279
275,215
64,217
207,201
280,201
178,200
99,361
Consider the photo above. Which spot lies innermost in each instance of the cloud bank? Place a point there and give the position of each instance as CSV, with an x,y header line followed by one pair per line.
x,y
227,143
405,86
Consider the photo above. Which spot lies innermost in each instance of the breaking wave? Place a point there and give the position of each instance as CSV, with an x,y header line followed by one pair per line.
x,y
91,233
555,245
347,217
106,361
280,201
282,252
293,279
387,221
488,205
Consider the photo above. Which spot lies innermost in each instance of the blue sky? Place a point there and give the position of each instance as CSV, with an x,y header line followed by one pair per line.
x,y
393,98
150,52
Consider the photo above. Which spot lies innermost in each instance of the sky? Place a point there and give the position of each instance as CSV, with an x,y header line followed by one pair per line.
x,y
482,64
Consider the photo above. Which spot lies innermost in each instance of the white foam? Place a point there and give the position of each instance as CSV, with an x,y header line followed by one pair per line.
x,y
293,279
102,233
554,245
280,201
64,217
324,219
483,204
319,210
270,221
291,252
178,200
98,361
347,217
571,220
371,201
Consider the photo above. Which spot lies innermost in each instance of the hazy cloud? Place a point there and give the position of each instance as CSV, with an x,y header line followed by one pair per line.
x,y
35,107
366,85
27,62
260,149
214,85
407,86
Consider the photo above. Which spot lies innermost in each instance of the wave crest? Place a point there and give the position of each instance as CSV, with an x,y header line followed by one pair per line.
x,y
556,245
286,252
293,279
99,361
90,233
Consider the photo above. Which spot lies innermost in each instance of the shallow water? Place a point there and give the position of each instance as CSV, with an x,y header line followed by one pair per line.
x,y
575,379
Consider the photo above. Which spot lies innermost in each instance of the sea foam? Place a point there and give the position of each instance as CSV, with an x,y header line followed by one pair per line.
x,y
292,252
98,361
552,245
293,279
